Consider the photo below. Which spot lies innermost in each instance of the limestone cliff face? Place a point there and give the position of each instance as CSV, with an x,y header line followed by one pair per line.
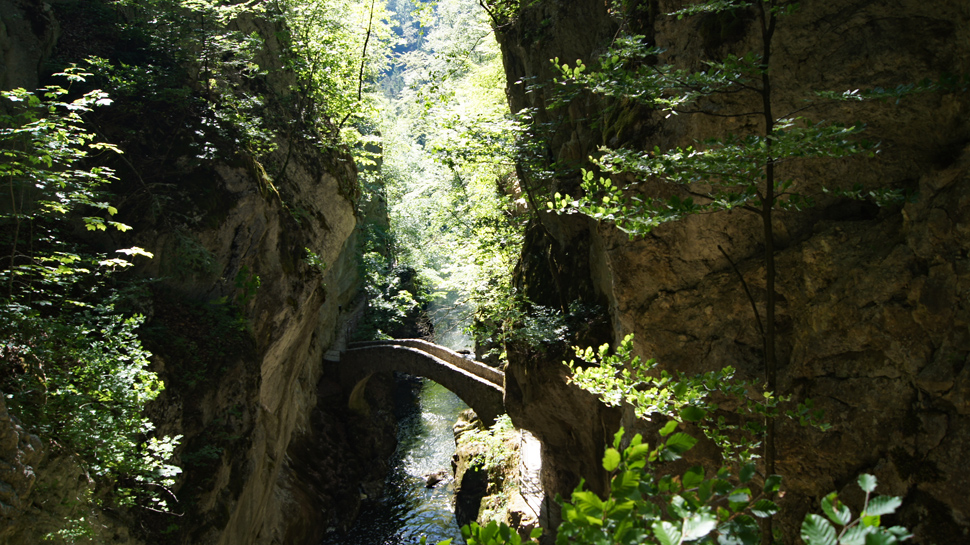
x,y
237,316
20,453
872,316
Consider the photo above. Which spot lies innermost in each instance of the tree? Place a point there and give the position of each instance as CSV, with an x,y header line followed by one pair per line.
x,y
753,172
190,57
71,364
447,162
339,49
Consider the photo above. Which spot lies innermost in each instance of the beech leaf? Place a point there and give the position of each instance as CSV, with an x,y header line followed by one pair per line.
x,y
666,533
611,459
883,505
867,482
818,531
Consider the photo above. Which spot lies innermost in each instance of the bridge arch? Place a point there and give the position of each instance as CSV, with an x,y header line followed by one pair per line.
x,y
481,387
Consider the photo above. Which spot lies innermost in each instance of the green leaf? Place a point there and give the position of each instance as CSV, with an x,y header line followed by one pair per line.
x,y
835,510
880,539
625,484
679,388
855,535
748,472
818,531
617,438
772,484
691,413
883,505
135,250
764,508
637,452
739,531
666,533
611,459
693,477
704,490
900,532
680,442
506,533
699,525
587,500
867,483
669,428
722,486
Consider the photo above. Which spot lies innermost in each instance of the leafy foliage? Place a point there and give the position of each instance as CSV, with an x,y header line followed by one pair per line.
x,y
395,297
81,381
505,315
205,63
494,533
339,48
492,443
43,144
622,377
494,450
190,58
866,529
716,174
72,366
644,508
646,505
455,209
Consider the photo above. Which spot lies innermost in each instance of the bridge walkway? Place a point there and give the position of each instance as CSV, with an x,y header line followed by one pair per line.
x,y
478,385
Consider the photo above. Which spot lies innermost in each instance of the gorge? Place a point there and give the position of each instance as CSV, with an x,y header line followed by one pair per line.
x,y
262,220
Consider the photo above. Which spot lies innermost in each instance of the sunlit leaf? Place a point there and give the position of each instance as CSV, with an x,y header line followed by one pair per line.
x,y
611,459
666,533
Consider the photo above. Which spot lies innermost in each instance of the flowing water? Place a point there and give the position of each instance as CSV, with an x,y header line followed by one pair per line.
x,y
410,510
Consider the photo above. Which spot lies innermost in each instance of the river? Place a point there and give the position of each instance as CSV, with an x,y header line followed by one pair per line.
x,y
410,510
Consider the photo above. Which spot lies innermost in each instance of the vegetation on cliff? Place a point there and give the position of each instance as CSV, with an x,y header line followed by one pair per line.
x,y
669,509
245,84
72,366
172,92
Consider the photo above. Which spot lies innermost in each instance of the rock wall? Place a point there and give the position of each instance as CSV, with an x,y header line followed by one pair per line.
x,y
872,314
237,316
20,453
28,31
472,481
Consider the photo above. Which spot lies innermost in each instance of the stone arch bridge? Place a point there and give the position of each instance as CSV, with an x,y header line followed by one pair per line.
x,y
478,385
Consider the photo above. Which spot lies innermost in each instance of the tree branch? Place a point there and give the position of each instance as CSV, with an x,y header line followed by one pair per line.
x,y
747,292
363,64
491,14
